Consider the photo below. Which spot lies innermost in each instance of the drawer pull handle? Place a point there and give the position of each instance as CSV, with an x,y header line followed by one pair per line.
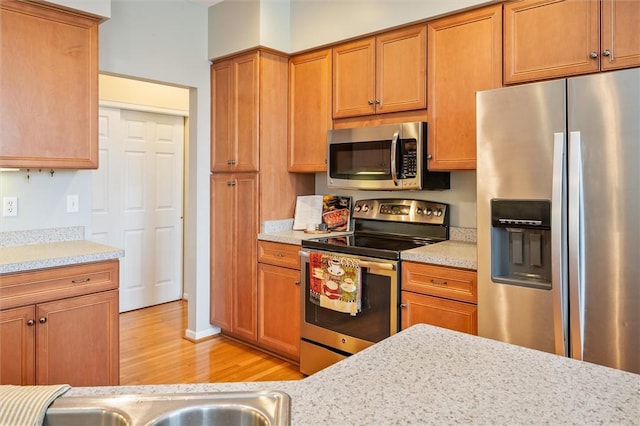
x,y
42,320
81,280
438,282
278,255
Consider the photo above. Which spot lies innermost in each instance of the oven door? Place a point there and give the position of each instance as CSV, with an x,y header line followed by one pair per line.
x,y
338,334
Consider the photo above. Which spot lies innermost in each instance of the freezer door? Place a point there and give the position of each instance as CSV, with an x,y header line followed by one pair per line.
x,y
604,218
516,130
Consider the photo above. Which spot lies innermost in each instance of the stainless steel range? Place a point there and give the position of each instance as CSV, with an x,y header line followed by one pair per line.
x,y
352,283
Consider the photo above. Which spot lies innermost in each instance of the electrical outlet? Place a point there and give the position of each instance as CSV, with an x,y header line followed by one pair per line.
x,y
10,206
73,205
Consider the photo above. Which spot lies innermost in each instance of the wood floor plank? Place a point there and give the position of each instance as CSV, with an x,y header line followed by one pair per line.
x,y
153,351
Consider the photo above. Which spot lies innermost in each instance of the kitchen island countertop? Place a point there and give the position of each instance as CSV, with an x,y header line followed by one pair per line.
x,y
429,375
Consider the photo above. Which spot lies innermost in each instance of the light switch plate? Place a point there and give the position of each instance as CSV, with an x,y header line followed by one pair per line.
x,y
9,206
73,204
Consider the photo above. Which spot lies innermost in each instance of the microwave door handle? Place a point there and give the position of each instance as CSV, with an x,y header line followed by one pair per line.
x,y
394,169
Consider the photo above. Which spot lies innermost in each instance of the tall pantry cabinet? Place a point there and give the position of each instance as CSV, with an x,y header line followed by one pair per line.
x,y
250,182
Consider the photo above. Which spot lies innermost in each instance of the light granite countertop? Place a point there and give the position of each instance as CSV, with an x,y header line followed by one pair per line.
x,y
429,375
28,257
459,254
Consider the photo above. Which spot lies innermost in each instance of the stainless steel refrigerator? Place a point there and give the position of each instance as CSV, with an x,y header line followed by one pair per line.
x,y
558,198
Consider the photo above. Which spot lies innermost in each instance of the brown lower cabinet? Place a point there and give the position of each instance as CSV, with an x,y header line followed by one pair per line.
x,y
441,296
69,334
279,298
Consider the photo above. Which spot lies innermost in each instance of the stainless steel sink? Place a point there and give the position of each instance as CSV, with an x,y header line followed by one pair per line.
x,y
261,408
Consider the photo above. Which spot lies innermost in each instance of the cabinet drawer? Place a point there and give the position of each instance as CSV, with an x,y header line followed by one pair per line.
x,y
57,283
457,284
420,309
279,254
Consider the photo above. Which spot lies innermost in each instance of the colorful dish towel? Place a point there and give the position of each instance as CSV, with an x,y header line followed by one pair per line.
x,y
27,405
335,282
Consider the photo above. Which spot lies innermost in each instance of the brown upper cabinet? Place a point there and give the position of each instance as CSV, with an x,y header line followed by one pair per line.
x,y
381,74
309,110
557,38
49,119
234,113
464,56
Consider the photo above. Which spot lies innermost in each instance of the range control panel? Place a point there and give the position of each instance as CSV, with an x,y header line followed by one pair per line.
x,y
399,210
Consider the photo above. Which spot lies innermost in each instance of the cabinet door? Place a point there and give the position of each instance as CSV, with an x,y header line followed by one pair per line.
x,y
78,340
222,106
234,114
309,111
279,309
17,350
222,244
550,38
246,91
620,38
418,308
354,79
465,56
49,119
245,256
234,225
401,70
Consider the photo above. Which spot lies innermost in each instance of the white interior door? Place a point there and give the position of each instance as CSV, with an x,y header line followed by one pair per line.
x,y
138,202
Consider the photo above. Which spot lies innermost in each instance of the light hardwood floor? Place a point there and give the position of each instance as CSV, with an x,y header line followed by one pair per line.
x,y
153,351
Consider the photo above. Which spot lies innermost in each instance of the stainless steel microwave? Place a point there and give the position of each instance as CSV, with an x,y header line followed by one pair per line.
x,y
390,157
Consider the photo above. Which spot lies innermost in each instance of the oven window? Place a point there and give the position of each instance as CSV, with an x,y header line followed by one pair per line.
x,y
373,323
360,160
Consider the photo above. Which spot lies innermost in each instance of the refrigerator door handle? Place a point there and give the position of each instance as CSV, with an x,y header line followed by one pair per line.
x,y
576,231
558,247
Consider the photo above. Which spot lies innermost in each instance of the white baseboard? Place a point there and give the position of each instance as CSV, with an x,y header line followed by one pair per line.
x,y
202,334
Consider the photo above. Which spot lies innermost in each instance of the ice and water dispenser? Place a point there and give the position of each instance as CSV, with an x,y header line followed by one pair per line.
x,y
521,242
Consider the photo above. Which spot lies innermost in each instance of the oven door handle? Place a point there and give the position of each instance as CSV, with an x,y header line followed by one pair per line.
x,y
363,263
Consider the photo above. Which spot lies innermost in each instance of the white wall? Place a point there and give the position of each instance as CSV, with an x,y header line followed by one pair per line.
x,y
294,25
42,199
166,41
96,7
318,22
130,93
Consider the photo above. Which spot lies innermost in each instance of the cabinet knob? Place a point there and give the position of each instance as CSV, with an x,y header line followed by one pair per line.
x,y
231,183
297,282
231,162
593,55
606,52
31,322
403,306
370,102
377,101
429,157
42,320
